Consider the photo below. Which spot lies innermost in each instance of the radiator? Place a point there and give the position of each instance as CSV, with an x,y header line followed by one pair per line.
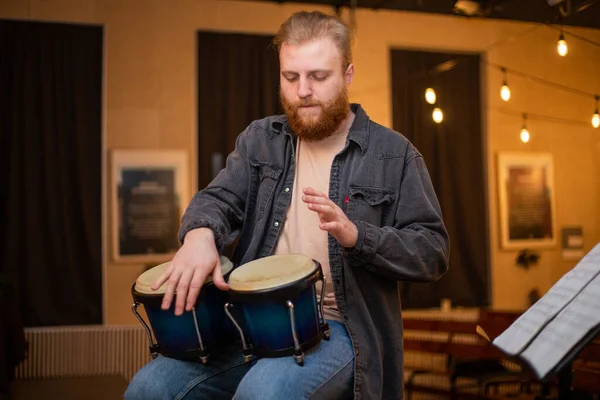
x,y
66,352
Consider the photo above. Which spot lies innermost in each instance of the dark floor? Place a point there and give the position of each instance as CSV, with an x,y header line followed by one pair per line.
x,y
96,388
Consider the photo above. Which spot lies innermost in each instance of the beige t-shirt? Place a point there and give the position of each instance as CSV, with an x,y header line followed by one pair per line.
x,y
301,232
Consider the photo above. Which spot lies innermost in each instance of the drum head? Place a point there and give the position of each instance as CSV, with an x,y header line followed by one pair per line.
x,y
144,282
272,271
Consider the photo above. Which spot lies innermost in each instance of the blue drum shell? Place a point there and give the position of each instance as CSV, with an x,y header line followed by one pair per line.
x,y
266,316
176,335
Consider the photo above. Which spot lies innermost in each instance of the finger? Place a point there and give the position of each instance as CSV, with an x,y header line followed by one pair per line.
x,y
316,199
218,279
331,227
321,218
164,277
170,290
327,211
196,284
312,192
182,291
309,191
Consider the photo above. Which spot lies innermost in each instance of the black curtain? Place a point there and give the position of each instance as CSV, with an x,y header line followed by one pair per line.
x,y
238,82
50,169
454,153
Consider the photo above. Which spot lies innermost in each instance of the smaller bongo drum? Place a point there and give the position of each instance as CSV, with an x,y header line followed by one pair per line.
x,y
275,297
191,335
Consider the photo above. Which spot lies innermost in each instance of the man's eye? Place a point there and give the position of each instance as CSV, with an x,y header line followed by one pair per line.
x,y
291,78
320,77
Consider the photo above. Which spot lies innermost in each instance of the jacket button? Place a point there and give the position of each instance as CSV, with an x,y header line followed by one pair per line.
x,y
287,190
276,223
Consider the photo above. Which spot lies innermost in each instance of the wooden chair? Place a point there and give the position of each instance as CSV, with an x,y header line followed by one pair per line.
x,y
475,359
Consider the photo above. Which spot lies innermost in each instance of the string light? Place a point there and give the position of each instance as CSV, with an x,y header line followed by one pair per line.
x,y
540,117
430,96
574,35
525,136
561,45
596,116
505,90
438,115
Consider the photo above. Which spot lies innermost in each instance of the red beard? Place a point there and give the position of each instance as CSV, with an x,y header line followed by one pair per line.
x,y
323,126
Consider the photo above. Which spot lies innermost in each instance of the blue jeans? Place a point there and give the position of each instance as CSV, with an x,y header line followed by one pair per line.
x,y
328,373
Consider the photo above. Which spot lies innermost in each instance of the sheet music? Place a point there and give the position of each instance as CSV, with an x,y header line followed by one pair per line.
x,y
565,331
514,339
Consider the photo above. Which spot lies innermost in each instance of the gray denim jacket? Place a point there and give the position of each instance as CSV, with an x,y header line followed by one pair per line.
x,y
381,182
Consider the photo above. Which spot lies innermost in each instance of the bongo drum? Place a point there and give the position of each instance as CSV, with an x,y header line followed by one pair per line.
x,y
191,335
275,298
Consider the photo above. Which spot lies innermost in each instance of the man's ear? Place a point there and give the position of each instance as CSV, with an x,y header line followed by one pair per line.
x,y
349,74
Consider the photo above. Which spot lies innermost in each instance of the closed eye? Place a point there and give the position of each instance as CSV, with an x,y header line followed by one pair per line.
x,y
319,77
290,76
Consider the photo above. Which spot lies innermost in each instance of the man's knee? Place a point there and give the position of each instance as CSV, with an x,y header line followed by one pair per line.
x,y
145,386
250,389
156,380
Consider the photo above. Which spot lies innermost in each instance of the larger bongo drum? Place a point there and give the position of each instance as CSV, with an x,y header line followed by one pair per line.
x,y
279,309
192,335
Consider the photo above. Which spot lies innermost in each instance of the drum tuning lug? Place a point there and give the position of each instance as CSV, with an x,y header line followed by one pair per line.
x,y
299,357
246,347
203,355
325,331
154,347
154,350
248,353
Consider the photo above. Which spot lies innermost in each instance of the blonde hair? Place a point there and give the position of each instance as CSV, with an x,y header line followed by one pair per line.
x,y
305,26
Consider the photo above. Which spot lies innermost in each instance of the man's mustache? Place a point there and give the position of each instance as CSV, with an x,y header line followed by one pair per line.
x,y
306,103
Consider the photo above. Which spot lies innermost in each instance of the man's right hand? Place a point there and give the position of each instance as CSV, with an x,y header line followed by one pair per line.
x,y
193,263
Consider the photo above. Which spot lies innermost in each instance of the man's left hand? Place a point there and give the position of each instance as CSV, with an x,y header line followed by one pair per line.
x,y
332,218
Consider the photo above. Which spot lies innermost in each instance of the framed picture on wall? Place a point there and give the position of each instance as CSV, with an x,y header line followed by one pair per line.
x,y
527,200
148,195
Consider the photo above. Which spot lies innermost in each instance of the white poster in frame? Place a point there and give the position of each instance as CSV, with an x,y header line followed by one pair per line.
x,y
149,192
527,200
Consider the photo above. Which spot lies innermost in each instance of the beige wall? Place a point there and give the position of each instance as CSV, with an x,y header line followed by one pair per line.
x,y
150,101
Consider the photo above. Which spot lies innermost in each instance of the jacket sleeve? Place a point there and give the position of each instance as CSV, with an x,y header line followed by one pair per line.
x,y
220,206
416,248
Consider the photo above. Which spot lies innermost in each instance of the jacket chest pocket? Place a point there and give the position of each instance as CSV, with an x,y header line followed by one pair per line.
x,y
264,180
369,204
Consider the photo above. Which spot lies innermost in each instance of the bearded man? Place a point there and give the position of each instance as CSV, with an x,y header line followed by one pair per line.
x,y
325,181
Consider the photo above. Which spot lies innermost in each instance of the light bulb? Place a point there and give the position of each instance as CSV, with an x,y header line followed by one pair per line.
x,y
561,46
438,115
525,135
430,96
596,120
505,92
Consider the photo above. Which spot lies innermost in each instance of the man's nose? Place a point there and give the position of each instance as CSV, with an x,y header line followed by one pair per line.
x,y
304,88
